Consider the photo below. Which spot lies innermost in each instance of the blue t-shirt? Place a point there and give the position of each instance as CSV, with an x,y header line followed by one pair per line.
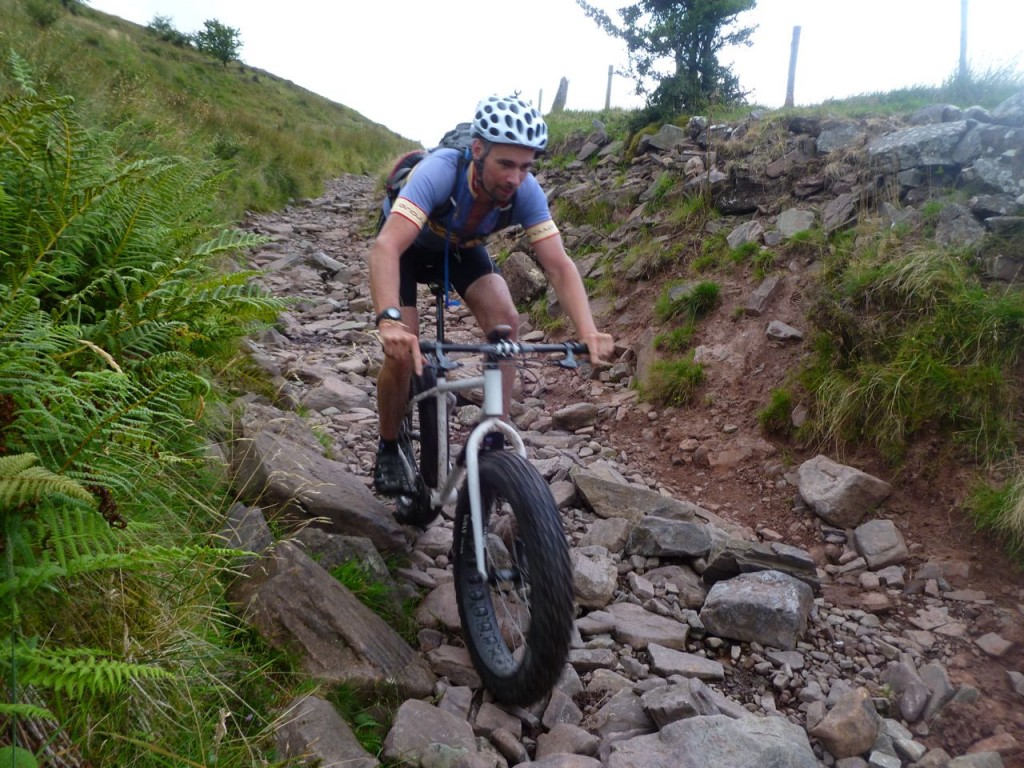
x,y
429,186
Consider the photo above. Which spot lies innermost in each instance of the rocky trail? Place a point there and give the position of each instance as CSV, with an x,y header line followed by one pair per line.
x,y
740,603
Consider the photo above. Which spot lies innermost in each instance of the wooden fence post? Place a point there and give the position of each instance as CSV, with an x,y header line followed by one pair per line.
x,y
561,95
794,47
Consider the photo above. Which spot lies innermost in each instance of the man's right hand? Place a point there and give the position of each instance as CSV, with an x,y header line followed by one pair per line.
x,y
601,347
399,344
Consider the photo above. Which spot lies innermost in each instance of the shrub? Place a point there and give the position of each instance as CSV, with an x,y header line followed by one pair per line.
x,y
44,13
163,27
116,316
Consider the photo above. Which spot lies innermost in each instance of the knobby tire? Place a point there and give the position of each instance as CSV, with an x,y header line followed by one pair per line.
x,y
428,426
525,548
416,509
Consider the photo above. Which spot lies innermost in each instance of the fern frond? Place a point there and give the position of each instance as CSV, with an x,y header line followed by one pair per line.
x,y
230,241
21,482
21,72
28,579
79,672
24,712
71,534
13,465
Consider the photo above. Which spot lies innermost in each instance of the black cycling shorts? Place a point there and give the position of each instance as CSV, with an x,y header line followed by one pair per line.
x,y
423,266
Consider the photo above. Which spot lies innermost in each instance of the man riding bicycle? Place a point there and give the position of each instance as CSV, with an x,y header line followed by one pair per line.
x,y
496,186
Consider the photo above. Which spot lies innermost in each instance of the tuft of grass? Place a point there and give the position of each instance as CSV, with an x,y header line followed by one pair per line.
x,y
687,301
673,382
775,418
661,190
568,124
598,214
1000,509
323,436
763,262
713,253
744,253
677,340
986,88
809,243
691,212
649,257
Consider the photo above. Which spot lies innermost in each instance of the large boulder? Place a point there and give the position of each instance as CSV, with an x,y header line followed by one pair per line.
x,y
717,740
766,607
300,609
840,495
276,460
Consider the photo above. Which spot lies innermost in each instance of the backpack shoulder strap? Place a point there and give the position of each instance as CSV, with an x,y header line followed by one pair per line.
x,y
448,205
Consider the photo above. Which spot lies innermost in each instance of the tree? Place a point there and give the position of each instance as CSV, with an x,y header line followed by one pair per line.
x,y
688,35
218,40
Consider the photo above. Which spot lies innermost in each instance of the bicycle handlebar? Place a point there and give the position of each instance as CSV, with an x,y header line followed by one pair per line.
x,y
505,348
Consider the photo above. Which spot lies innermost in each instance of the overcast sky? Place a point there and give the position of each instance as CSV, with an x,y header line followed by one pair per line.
x,y
419,68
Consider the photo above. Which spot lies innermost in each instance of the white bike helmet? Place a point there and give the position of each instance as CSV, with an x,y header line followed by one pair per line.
x,y
510,120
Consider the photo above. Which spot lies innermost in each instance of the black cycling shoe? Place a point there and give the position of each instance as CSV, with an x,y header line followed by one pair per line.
x,y
389,476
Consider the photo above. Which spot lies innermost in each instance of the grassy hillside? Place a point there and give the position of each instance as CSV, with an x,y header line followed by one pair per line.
x,y
278,140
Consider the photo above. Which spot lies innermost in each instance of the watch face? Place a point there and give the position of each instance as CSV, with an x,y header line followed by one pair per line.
x,y
391,313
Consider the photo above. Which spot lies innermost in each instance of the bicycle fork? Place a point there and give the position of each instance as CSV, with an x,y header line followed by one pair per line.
x,y
492,422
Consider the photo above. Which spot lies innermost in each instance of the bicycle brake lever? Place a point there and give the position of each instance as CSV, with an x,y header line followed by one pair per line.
x,y
569,361
446,363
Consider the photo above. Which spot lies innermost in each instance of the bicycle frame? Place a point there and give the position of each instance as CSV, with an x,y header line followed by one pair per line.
x,y
448,477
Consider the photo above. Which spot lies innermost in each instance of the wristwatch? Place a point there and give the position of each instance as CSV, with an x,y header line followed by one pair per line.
x,y
388,313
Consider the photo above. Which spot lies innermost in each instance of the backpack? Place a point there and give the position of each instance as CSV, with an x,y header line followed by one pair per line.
x,y
459,138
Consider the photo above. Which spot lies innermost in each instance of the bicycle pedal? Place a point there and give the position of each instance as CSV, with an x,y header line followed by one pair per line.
x,y
416,516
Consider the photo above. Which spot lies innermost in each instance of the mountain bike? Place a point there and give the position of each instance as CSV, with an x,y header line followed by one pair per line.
x,y
513,580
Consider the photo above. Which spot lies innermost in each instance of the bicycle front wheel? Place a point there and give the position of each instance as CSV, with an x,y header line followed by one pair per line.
x,y
518,619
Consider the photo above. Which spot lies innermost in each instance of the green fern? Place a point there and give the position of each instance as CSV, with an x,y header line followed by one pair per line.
x,y
22,482
22,73
23,712
77,672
